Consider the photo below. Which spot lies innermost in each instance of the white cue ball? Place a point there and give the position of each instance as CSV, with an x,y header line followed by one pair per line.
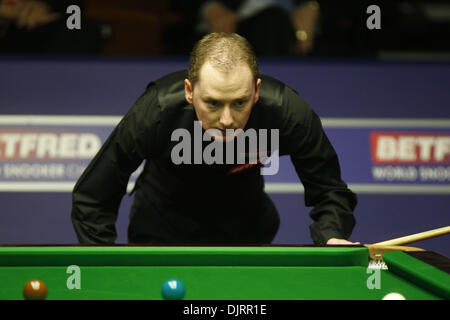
x,y
394,296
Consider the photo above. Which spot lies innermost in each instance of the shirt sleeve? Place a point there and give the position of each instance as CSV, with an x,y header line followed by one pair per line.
x,y
98,192
317,166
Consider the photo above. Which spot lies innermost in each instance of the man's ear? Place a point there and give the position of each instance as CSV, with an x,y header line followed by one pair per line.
x,y
188,90
258,86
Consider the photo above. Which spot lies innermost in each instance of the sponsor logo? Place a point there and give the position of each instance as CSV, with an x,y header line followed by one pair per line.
x,y
396,148
16,145
410,157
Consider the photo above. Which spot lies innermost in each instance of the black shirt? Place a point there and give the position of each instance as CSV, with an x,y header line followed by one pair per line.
x,y
201,203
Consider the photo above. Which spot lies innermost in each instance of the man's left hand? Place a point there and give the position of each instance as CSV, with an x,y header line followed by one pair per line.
x,y
334,241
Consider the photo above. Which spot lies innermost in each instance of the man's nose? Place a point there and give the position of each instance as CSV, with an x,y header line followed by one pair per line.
x,y
226,118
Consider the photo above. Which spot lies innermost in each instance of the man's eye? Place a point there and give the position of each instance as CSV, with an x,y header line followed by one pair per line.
x,y
239,103
213,103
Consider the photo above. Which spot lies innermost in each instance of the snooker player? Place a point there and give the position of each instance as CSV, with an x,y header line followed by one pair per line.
x,y
210,203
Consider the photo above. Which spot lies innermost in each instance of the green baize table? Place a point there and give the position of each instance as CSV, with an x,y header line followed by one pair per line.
x,y
218,272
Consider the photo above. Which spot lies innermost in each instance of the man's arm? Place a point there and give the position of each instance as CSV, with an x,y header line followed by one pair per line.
x,y
317,166
98,192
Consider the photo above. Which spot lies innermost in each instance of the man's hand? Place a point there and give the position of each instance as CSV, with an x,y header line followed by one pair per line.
x,y
334,241
220,19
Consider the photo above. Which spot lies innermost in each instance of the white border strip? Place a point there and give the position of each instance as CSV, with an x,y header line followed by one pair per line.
x,y
399,189
58,120
112,120
384,123
271,188
36,186
366,188
49,186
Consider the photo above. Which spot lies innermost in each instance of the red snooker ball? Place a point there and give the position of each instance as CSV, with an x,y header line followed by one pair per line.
x,y
35,290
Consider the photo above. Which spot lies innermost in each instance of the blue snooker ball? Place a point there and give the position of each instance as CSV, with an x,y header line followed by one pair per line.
x,y
173,289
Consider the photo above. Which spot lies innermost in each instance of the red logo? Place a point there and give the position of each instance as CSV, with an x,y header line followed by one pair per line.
x,y
255,159
407,147
45,145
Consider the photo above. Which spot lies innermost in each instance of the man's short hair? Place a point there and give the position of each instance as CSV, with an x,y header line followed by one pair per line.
x,y
224,51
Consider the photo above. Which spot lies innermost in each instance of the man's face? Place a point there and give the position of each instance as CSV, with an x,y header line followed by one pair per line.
x,y
223,100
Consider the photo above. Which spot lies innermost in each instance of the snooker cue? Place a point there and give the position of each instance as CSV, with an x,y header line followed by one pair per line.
x,y
377,249
415,237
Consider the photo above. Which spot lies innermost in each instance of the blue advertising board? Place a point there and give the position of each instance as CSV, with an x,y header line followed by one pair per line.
x,y
389,123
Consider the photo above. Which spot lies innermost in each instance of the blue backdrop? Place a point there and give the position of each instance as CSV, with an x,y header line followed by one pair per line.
x,y
354,99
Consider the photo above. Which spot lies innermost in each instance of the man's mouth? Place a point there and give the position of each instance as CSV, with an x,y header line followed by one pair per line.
x,y
224,134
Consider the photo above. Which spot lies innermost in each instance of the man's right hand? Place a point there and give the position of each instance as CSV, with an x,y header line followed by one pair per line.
x,y
334,241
